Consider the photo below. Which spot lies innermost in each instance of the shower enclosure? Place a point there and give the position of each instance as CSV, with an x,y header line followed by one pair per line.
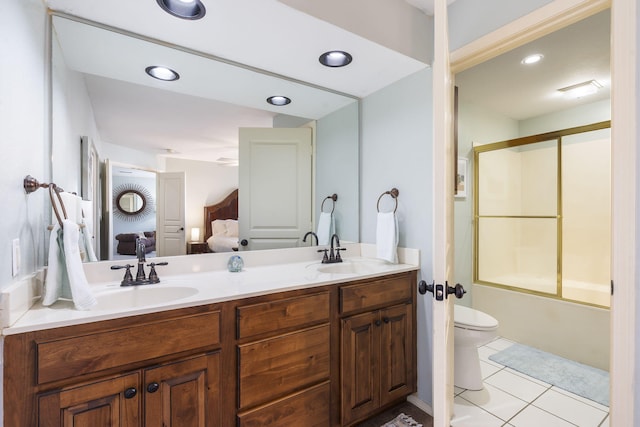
x,y
542,214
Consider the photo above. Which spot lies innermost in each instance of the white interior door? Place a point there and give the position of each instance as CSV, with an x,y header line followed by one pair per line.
x,y
443,169
275,190
170,234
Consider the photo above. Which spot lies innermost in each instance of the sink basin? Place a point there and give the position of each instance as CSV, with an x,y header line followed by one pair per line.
x,y
141,296
354,267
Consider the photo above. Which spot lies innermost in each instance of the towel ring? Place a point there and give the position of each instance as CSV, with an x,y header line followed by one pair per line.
x,y
334,198
393,193
54,189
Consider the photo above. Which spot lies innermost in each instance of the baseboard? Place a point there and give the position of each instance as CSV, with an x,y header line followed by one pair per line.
x,y
415,400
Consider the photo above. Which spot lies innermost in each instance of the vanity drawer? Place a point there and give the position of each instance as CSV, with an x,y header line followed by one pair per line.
x,y
274,367
83,354
283,314
309,408
378,293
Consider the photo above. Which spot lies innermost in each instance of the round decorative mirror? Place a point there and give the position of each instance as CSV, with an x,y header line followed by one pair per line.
x,y
131,202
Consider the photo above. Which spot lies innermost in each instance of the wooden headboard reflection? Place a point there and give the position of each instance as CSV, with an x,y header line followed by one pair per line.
x,y
226,209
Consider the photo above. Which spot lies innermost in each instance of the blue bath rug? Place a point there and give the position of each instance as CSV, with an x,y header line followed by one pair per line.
x,y
586,381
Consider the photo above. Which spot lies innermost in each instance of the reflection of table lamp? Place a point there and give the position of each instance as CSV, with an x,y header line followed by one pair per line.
x,y
195,234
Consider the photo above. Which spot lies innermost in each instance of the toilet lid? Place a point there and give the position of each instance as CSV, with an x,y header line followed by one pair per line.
x,y
473,319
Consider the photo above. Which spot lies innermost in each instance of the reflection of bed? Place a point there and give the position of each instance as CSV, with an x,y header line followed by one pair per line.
x,y
221,224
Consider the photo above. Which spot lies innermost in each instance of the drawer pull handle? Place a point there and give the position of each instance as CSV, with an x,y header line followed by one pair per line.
x,y
130,393
153,387
377,322
385,319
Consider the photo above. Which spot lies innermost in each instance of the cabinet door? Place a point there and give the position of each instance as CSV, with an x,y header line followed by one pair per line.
x,y
360,365
109,403
396,353
184,393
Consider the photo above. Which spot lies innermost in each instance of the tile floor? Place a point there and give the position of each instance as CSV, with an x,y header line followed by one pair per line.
x,y
512,399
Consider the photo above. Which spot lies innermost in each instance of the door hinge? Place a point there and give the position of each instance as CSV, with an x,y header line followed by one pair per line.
x,y
611,287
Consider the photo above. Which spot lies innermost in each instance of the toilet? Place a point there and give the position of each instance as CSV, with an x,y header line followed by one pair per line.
x,y
472,329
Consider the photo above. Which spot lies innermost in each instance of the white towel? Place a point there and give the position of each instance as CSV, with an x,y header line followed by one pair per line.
x,y
387,236
72,205
87,243
56,284
65,275
325,228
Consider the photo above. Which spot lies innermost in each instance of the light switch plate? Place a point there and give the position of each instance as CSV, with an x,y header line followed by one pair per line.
x,y
15,267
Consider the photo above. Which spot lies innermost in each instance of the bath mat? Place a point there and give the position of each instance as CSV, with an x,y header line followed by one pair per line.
x,y
586,381
402,420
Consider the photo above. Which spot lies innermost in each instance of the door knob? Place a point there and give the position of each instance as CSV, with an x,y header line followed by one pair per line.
x,y
244,242
423,287
458,290
153,387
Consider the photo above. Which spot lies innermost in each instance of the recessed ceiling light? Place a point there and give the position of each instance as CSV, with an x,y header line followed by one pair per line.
x,y
335,58
185,9
162,73
581,89
532,59
278,100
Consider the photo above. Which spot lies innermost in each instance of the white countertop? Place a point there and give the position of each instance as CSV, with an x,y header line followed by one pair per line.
x,y
198,280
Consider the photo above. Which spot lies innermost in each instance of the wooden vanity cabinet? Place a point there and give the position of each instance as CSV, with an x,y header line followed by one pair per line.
x,y
378,350
161,369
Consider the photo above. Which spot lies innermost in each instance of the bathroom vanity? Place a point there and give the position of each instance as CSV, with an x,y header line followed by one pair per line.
x,y
319,349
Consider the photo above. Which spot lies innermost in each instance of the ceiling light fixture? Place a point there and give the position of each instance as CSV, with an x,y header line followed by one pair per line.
x,y
335,58
532,59
162,73
278,100
581,89
185,9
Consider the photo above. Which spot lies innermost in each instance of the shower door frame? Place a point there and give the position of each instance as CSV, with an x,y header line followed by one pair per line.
x,y
521,142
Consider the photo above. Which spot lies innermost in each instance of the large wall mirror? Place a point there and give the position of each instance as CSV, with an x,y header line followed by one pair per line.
x,y
99,80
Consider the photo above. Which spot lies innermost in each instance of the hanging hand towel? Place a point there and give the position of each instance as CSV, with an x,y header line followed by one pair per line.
x,y
56,284
83,298
387,236
65,273
325,228
87,242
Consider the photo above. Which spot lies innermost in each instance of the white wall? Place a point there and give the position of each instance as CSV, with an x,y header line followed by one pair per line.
x,y
396,152
72,118
587,114
206,183
23,134
337,165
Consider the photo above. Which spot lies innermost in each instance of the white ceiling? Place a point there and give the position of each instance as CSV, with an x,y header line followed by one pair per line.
x,y
198,116
572,55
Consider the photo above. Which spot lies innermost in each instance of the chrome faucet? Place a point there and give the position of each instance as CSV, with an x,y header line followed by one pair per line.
x,y
310,233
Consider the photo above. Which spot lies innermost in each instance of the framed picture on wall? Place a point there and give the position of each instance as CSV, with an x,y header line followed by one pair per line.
x,y
462,182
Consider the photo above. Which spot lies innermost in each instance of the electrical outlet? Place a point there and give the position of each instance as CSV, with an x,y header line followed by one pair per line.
x,y
15,268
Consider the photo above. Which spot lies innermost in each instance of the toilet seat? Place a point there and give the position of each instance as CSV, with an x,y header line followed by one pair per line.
x,y
468,318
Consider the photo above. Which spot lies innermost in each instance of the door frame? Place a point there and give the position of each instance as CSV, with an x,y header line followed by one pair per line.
x,y
624,110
